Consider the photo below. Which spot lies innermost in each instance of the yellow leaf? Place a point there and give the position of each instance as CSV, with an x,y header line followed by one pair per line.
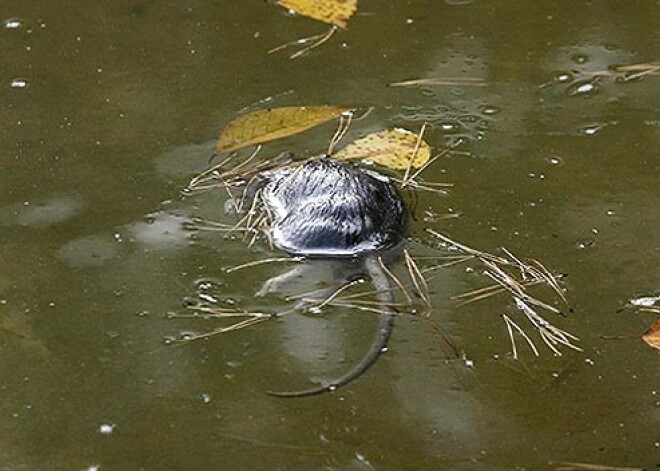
x,y
262,126
652,336
334,12
393,148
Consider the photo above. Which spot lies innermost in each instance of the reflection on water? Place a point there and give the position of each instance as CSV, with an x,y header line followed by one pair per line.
x,y
110,109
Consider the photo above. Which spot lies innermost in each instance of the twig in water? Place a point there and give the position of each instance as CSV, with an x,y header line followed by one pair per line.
x,y
570,466
340,133
505,273
396,280
318,38
336,293
417,279
406,175
511,324
471,81
262,262
239,325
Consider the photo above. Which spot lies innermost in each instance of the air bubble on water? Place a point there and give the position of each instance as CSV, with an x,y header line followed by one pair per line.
x,y
580,58
107,429
610,212
208,298
554,160
585,244
591,130
447,126
583,88
563,77
186,335
489,110
169,340
203,285
13,23
19,83
646,301
94,467
206,398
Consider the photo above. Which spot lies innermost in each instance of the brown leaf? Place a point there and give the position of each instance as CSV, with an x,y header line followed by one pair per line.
x,y
334,12
652,336
392,148
262,126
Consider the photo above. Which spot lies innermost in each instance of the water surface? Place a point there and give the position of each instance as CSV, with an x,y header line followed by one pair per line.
x,y
109,108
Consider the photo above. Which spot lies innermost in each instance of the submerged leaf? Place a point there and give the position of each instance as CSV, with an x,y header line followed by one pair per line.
x,y
652,336
392,148
334,12
267,125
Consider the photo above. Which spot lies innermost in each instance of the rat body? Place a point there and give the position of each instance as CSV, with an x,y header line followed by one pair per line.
x,y
323,208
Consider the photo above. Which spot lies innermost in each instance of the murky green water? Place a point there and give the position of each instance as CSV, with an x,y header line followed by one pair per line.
x,y
109,108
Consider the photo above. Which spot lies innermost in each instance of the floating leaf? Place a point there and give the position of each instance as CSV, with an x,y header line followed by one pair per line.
x,y
262,126
393,148
334,12
652,336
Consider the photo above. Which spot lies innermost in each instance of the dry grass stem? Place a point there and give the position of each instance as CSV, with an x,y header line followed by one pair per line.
x,y
451,81
417,279
430,161
466,249
340,133
552,282
627,72
420,138
265,261
514,276
455,260
212,312
396,280
421,186
510,324
635,71
570,466
237,326
366,294
316,40
358,307
208,225
550,334
336,293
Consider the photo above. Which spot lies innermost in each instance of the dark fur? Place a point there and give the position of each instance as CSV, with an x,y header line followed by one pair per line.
x,y
327,209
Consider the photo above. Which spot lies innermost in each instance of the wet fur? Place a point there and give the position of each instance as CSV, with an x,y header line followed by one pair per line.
x,y
327,209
